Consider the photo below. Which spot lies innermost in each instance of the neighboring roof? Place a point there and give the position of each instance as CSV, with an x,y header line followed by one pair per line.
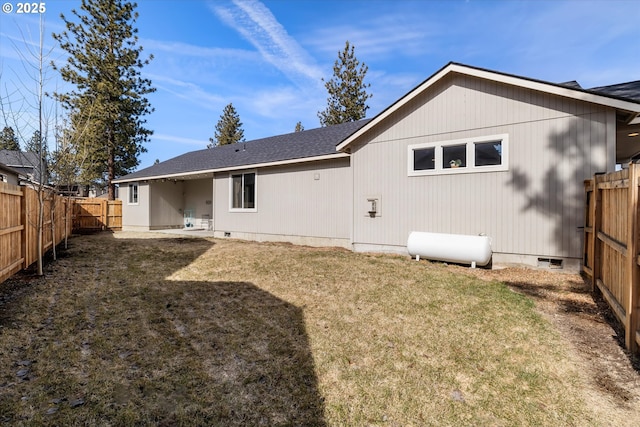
x,y
18,158
311,144
572,84
8,169
25,163
602,96
629,90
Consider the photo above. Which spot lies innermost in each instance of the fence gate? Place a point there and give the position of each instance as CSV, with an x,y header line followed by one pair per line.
x,y
612,245
97,214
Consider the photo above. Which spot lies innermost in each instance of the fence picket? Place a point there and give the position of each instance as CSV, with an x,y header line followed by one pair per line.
x,y
612,245
18,224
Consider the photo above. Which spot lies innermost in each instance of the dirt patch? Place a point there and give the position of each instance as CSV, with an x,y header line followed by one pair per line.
x,y
596,338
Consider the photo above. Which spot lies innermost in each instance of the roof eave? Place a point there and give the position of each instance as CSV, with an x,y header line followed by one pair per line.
x,y
178,175
581,94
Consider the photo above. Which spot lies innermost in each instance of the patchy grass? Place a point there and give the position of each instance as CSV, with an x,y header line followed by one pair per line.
x,y
175,331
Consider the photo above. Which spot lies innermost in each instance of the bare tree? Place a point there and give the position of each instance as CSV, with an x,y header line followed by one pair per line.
x,y
26,110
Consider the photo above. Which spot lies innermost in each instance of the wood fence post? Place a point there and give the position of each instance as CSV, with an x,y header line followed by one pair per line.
x,y
104,208
596,217
587,263
25,233
633,277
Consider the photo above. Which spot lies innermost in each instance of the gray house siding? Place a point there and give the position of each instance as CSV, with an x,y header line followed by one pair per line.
x,y
161,204
533,209
8,175
135,216
354,184
198,198
166,202
306,203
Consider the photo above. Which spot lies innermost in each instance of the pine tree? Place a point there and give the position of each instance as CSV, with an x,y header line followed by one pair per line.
x,y
65,164
8,139
108,102
347,101
299,127
228,129
36,144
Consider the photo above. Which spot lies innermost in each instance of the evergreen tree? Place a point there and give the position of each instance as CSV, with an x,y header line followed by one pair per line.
x,y
8,139
65,165
108,101
228,129
36,144
299,127
347,101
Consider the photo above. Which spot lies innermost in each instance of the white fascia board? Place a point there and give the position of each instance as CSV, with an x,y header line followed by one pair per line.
x,y
594,98
393,108
233,168
618,104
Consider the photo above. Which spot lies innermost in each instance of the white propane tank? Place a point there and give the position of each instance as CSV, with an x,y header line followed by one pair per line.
x,y
458,248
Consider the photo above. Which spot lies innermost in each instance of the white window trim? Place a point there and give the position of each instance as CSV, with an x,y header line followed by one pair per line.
x,y
470,168
137,185
255,203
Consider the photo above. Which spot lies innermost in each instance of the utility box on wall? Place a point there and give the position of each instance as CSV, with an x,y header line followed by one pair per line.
x,y
372,207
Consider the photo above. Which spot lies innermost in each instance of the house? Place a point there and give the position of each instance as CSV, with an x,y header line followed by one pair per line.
x,y
468,151
26,163
8,175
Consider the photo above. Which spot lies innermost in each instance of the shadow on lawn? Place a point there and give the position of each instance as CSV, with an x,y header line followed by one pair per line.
x,y
247,354
160,351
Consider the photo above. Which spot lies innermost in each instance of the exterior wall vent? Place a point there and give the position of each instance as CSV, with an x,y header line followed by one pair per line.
x,y
550,263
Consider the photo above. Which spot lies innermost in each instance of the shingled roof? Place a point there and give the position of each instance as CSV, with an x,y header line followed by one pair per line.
x,y
297,145
25,163
629,90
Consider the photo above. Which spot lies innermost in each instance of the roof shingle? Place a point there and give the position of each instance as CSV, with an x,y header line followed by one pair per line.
x,y
629,90
291,146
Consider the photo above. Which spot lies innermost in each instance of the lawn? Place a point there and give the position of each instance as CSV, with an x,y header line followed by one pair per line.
x,y
126,330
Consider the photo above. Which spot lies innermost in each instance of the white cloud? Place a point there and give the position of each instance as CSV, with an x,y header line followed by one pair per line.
x,y
185,49
256,23
187,91
180,140
283,102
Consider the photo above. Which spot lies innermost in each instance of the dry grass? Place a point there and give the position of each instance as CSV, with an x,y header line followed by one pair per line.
x,y
126,330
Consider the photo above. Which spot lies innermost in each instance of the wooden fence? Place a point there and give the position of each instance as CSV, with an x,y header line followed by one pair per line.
x,y
97,214
612,245
19,216
18,226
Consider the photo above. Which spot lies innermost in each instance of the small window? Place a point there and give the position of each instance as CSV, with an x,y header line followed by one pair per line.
x,y
243,191
424,159
133,194
454,156
469,155
488,153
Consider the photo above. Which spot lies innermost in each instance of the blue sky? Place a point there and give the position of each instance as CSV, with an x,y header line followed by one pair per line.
x,y
268,57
